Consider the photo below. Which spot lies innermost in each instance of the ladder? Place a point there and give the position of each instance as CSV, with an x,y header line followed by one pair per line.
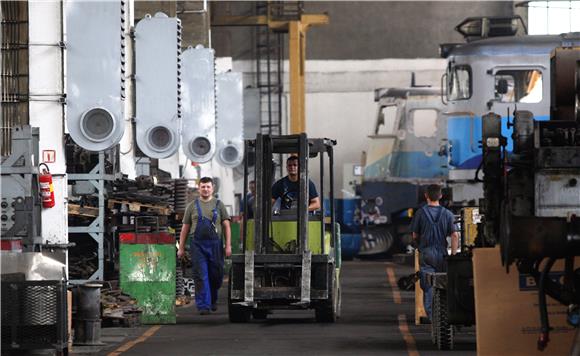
x,y
269,54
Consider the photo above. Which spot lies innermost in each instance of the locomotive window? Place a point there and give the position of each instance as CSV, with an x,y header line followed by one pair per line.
x,y
518,86
459,83
424,122
386,121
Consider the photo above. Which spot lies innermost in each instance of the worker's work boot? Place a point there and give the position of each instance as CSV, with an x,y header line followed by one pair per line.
x,y
204,312
214,308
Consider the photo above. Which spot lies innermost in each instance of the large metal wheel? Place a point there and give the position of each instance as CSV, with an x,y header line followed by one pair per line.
x,y
442,330
329,310
237,313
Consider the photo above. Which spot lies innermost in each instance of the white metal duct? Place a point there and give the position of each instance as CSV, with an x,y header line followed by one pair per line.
x,y
157,85
199,104
95,72
230,119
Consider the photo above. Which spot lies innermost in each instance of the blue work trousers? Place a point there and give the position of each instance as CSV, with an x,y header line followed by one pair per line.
x,y
427,289
208,271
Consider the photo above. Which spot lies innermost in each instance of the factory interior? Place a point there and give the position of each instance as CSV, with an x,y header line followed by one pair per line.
x,y
290,177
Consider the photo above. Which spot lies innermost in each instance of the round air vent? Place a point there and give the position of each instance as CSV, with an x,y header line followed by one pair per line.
x,y
229,154
200,146
160,138
97,124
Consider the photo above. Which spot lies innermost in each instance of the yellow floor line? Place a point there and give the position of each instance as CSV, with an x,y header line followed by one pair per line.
x,y
407,336
393,283
147,334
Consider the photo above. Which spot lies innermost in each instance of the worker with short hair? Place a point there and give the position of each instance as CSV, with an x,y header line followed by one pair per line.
x,y
430,227
207,218
287,189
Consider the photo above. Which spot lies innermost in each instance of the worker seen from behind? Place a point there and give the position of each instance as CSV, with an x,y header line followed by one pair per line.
x,y
287,189
431,226
207,218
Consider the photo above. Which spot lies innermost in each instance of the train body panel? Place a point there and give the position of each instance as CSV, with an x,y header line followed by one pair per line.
x,y
501,74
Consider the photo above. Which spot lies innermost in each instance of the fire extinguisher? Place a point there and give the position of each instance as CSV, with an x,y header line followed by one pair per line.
x,y
46,187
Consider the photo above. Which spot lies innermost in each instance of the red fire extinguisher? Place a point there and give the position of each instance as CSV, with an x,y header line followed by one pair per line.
x,y
46,187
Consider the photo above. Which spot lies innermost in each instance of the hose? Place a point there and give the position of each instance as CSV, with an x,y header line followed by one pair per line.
x,y
544,337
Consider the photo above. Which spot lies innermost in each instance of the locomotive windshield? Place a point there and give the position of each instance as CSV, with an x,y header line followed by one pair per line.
x,y
386,120
459,83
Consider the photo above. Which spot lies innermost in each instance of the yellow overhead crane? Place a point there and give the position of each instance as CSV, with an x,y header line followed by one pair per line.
x,y
296,27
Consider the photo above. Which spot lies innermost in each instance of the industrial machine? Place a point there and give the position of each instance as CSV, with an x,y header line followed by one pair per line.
x,y
33,281
291,258
530,198
21,208
532,205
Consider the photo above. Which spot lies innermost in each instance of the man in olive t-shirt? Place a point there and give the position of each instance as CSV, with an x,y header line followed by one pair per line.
x,y
206,244
190,216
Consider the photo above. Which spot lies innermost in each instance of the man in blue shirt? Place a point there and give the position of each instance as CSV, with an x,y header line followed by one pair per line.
x,y
287,188
430,227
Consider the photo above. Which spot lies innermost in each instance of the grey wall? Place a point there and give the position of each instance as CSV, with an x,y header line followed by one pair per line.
x,y
373,30
367,30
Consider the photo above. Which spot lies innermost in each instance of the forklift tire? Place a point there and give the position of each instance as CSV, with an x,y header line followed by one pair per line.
x,y
329,310
442,329
237,313
260,314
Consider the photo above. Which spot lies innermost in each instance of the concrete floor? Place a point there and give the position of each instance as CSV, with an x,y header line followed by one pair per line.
x,y
371,323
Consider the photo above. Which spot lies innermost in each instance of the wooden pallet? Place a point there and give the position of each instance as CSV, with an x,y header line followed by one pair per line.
x,y
138,207
86,211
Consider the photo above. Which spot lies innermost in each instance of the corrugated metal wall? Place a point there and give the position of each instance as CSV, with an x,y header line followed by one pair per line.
x,y
14,68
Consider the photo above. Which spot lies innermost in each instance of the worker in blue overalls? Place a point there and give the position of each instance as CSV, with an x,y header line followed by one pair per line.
x,y
207,218
430,227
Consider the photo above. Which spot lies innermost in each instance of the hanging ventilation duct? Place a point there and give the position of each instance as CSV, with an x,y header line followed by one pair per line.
x,y
157,85
230,119
95,72
199,104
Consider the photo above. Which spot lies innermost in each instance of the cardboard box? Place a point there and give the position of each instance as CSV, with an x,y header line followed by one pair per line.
x,y
506,309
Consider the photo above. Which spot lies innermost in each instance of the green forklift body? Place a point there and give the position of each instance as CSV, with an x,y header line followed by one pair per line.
x,y
284,235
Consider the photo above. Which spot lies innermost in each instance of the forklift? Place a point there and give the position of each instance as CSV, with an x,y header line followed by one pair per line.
x,y
290,258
